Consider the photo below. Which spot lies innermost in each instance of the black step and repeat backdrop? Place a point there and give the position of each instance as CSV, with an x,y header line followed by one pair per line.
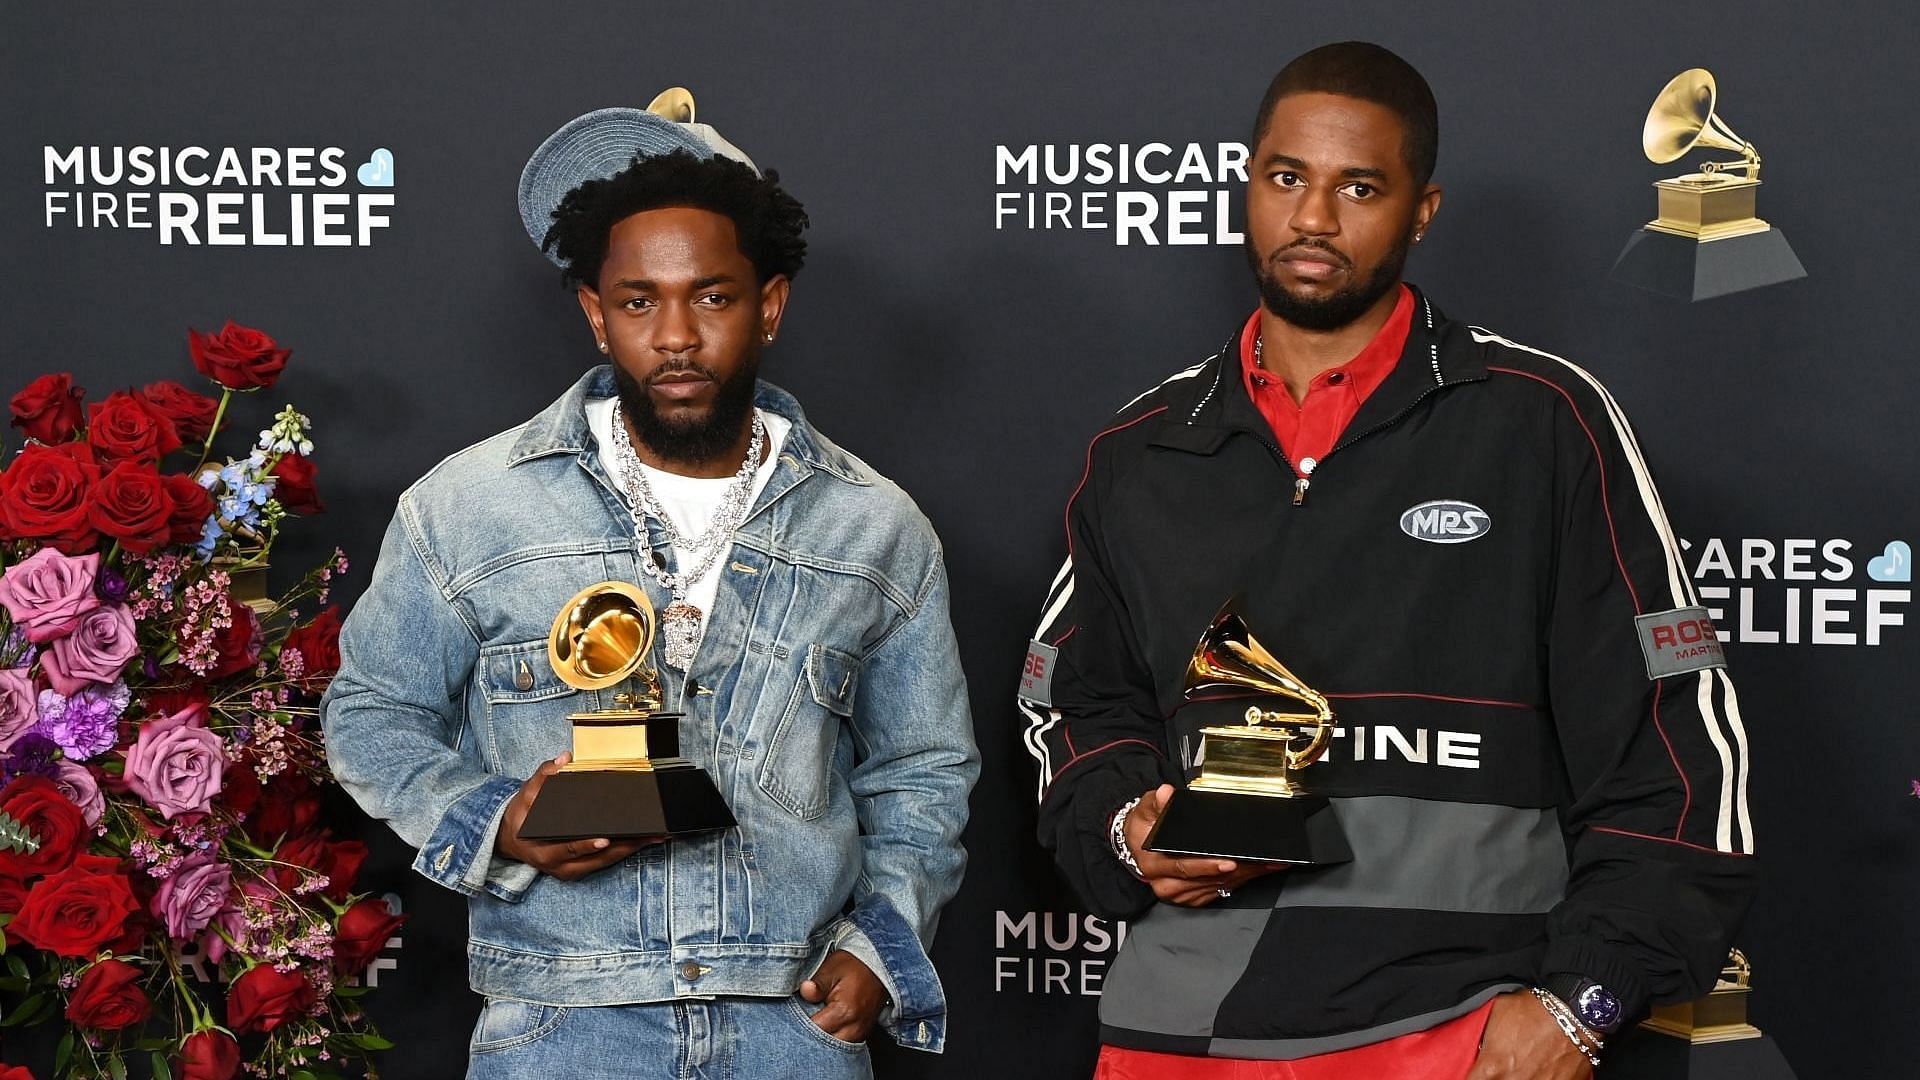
x,y
1024,214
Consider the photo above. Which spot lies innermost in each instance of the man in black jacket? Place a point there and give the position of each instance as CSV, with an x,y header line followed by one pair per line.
x,y
1540,764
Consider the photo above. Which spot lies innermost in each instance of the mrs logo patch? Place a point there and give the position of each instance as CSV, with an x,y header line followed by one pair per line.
x,y
1445,521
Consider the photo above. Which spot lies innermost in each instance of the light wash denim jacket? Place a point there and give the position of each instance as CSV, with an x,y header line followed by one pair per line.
x,y
826,701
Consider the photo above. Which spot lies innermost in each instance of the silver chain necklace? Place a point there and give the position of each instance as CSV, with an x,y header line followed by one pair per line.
x,y
681,622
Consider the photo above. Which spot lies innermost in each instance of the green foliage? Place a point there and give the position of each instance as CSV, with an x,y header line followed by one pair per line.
x,y
16,837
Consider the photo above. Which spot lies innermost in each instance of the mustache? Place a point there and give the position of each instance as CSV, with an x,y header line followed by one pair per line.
x,y
682,367
1311,245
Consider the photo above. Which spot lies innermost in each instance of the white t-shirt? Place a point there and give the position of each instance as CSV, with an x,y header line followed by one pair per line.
x,y
689,501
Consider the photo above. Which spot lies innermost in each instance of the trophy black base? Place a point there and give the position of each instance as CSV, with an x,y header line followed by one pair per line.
x,y
667,800
1687,269
1640,1054
1302,831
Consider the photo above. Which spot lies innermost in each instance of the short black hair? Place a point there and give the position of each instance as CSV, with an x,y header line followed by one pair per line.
x,y
768,221
1361,69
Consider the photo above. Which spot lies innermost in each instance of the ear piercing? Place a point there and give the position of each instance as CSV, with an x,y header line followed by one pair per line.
x,y
603,346
769,337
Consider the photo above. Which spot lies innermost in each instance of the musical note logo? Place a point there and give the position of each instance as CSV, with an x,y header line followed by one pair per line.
x,y
378,170
1895,564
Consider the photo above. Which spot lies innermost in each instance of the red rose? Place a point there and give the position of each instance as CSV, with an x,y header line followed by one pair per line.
x,y
318,644
238,357
339,862
125,428
344,860
363,932
240,788
262,999
192,506
207,1055
13,893
131,505
179,692
288,805
192,414
49,408
43,496
294,486
76,911
35,802
239,643
14,1072
109,997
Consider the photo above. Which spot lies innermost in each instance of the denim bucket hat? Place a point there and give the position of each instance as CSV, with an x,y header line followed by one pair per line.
x,y
604,142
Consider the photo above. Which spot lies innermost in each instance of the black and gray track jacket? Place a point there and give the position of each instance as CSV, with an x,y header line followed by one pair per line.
x,y
1540,767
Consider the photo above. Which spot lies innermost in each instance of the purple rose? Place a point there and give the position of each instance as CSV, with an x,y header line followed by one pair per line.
x,y
193,897
177,764
78,785
95,652
49,592
17,705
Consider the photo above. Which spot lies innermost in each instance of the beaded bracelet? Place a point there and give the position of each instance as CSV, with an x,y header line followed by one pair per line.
x,y
1583,1039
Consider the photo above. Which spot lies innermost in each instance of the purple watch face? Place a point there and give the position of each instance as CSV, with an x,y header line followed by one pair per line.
x,y
1597,1008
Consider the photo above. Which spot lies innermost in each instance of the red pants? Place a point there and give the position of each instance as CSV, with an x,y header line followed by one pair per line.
x,y
1440,1053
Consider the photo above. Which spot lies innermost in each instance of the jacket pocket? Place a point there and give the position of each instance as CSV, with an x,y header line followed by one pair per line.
x,y
526,724
797,769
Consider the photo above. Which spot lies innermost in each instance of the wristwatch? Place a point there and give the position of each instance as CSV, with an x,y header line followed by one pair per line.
x,y
1593,1004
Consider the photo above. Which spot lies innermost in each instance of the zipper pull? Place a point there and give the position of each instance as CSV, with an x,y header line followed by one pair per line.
x,y
1300,492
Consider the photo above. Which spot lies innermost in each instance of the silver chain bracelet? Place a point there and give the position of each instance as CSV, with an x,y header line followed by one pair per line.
x,y
1117,836
1575,1031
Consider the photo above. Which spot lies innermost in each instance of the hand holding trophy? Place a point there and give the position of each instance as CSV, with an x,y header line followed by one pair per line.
x,y
1248,803
626,777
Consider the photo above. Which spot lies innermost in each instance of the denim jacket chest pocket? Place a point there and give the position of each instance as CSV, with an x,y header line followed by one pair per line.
x,y
797,769
526,718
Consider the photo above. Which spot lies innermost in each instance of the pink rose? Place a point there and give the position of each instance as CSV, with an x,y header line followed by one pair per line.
x,y
76,782
176,764
18,709
49,592
193,897
95,652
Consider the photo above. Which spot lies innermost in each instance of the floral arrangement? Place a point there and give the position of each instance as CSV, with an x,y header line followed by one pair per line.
x,y
168,888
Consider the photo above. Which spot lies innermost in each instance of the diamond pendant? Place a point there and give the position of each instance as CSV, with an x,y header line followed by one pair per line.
x,y
680,632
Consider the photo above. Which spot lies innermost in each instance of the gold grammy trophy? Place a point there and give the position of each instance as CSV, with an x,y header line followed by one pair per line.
x,y
1706,240
1248,802
1706,1039
627,778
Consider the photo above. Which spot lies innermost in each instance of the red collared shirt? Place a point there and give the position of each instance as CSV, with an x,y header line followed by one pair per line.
x,y
1308,429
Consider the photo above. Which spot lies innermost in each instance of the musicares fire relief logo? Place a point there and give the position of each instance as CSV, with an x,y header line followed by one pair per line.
x,y
1053,952
1802,592
1148,193
258,196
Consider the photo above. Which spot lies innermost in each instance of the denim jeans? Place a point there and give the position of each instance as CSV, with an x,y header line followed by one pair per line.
x,y
719,1039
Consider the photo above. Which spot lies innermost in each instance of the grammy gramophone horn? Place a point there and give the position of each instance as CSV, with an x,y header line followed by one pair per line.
x,y
1683,117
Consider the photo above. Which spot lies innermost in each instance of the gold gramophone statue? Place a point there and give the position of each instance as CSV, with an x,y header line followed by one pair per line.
x,y
627,778
1706,240
1248,802
1705,1039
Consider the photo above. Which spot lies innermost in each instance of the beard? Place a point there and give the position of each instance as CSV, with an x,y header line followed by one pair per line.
x,y
1330,312
699,439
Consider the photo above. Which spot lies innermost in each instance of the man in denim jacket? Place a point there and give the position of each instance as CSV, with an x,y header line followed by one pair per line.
x,y
823,694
